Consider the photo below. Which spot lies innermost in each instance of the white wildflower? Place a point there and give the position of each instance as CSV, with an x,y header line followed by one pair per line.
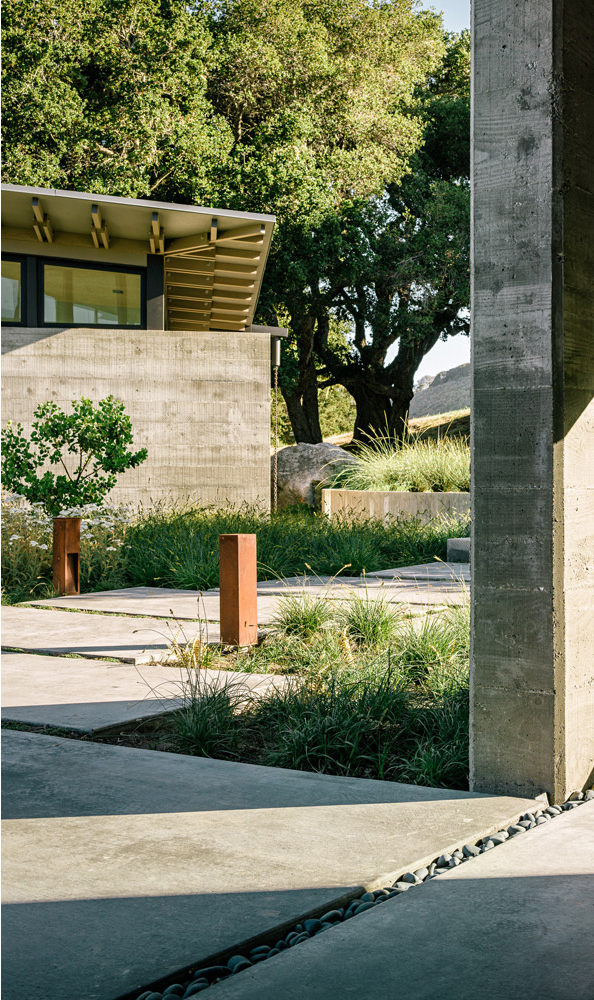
x,y
33,542
110,548
43,546
13,538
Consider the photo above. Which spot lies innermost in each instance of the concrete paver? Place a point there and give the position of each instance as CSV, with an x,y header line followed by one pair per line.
x,y
122,866
515,922
133,640
431,583
427,572
88,696
155,602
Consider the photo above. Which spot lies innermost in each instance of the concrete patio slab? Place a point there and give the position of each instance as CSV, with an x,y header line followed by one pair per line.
x,y
515,922
122,866
132,640
154,602
428,572
89,696
434,583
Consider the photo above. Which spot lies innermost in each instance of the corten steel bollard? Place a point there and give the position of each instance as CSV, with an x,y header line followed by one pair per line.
x,y
67,555
238,582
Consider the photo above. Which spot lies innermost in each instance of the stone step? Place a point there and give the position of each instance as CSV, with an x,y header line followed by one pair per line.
x,y
458,550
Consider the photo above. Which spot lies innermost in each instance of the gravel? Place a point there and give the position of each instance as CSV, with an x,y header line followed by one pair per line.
x,y
204,978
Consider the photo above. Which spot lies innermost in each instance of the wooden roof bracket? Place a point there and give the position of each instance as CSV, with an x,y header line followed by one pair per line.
x,y
42,225
99,230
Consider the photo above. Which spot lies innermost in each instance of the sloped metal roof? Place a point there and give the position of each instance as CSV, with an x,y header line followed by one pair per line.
x,y
214,259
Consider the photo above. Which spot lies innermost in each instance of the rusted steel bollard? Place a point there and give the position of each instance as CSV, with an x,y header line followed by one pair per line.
x,y
67,555
238,582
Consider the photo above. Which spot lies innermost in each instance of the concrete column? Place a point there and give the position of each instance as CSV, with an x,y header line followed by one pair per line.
x,y
532,661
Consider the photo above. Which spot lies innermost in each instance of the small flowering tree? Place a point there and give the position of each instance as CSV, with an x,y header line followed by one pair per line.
x,y
90,445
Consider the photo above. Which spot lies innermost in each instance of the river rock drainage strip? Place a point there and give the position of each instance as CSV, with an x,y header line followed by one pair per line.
x,y
203,978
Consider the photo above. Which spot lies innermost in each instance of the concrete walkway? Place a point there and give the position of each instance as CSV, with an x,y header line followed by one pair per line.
x,y
517,922
429,584
89,696
132,640
122,866
54,627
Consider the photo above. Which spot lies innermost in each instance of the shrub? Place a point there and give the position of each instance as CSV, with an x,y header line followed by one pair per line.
x,y
90,444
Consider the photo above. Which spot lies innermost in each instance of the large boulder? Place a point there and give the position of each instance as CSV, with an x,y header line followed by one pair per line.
x,y
302,468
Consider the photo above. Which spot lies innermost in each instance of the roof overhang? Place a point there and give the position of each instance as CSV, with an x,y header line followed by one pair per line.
x,y
214,259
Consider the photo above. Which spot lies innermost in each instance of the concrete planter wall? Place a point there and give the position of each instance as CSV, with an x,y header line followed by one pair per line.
x,y
381,505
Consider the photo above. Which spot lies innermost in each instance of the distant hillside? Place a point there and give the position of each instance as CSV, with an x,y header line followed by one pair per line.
x,y
447,391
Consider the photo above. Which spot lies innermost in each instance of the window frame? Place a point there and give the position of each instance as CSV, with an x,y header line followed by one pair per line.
x,y
22,260
88,265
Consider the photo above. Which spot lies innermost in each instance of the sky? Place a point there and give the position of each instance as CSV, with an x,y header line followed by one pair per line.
x,y
456,350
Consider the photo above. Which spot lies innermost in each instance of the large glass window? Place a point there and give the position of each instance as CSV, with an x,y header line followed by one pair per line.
x,y
89,296
11,291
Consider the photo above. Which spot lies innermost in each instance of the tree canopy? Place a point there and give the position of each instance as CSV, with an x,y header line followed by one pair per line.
x,y
345,118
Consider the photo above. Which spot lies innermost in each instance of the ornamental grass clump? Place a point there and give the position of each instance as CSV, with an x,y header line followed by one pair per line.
x,y
370,621
396,712
302,615
425,466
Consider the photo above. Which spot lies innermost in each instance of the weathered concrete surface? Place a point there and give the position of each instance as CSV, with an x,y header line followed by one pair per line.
x,y
389,504
532,687
90,695
200,403
121,866
515,922
133,640
438,571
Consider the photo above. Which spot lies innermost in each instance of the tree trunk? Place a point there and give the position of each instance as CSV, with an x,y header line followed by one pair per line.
x,y
373,413
304,417
302,399
398,422
379,415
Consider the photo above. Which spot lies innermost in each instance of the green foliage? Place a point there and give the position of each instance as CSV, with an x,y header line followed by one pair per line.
x,y
370,620
419,466
400,714
206,722
110,97
393,266
316,95
179,547
302,615
92,440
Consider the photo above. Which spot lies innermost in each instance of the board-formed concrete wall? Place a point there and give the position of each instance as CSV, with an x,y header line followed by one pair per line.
x,y
532,646
199,402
